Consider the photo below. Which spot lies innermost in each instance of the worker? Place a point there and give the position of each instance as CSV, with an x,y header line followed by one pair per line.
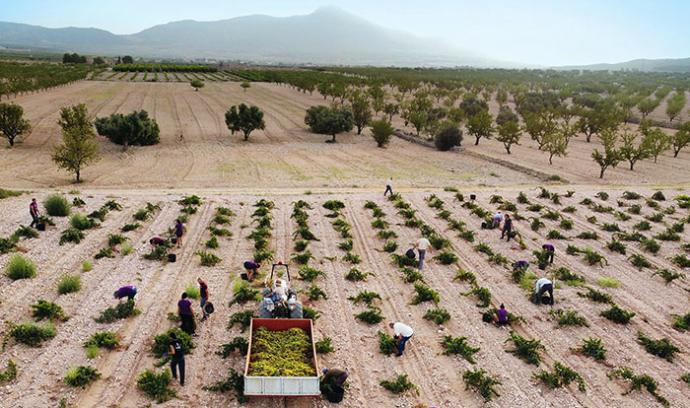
x,y
266,306
402,334
177,357
389,186
203,292
35,214
186,314
507,227
497,219
422,246
332,384
295,308
542,286
179,232
252,269
549,248
520,265
128,291
280,290
502,316
157,241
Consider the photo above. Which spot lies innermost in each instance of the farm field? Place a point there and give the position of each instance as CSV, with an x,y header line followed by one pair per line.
x,y
441,214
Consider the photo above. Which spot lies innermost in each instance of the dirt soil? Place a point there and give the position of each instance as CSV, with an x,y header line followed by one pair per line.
x,y
437,376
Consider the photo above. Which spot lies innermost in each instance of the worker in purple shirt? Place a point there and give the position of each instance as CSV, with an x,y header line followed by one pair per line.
x,y
502,316
550,249
184,311
128,291
35,214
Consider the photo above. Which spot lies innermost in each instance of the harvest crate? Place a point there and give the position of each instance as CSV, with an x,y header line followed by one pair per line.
x,y
281,386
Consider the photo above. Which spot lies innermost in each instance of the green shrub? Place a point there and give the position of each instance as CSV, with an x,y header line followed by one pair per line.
x,y
465,276
412,275
685,377
588,235
81,222
31,334
193,291
25,232
663,348
20,267
57,205
156,385
639,261
10,373
355,275
555,234
105,339
87,266
681,323
71,235
130,227
81,376
667,235
334,205
386,234
592,257
47,310
631,195
208,258
459,346
482,382
315,293
237,344
482,294
526,350
618,315
402,261
122,310
263,255
302,258
8,244
324,346
568,318
301,245
681,260
219,232
536,224
594,348
309,274
650,245
616,246
596,296
365,296
425,294
107,252
639,381
561,376
161,342
568,277
387,343
310,313
398,385
212,243
437,315
370,316
243,292
668,275
243,319
608,282
390,246
656,217
352,258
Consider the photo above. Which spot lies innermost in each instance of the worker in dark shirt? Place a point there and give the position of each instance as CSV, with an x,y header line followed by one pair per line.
x,y
177,357
507,227
128,291
333,384
184,311
550,250
35,215
203,291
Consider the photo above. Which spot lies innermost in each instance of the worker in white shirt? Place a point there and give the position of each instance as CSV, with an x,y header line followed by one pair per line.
x,y
542,286
497,220
389,186
422,246
401,334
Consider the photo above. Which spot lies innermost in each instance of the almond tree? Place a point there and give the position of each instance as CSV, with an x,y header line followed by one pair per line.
x,y
509,134
681,138
480,125
244,119
361,111
556,142
675,104
12,122
631,152
611,156
79,147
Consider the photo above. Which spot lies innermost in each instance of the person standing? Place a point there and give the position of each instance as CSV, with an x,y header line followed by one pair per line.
x,y
177,357
422,246
184,311
179,232
203,292
507,227
402,334
128,291
389,186
35,215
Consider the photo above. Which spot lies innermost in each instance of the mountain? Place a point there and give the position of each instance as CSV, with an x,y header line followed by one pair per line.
x,y
327,36
648,65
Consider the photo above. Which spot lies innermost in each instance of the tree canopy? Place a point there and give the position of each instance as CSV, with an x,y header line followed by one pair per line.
x,y
135,128
79,147
329,120
12,122
245,119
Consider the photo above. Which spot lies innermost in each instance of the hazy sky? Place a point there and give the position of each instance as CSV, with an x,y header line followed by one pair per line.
x,y
543,32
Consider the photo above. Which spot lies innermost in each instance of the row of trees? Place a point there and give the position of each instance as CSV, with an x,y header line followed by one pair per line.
x,y
73,58
17,78
164,68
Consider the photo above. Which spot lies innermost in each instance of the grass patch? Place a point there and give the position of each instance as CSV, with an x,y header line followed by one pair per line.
x,y
87,266
57,205
20,267
81,376
608,282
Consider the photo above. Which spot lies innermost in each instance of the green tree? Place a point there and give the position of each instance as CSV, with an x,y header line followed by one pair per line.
x,y
136,128
505,114
647,105
680,139
471,105
501,97
378,98
127,60
245,85
381,131
556,142
631,151
79,147
657,140
98,61
417,112
675,104
447,136
244,119
611,156
329,120
480,125
604,115
361,111
391,109
196,84
539,124
12,122
509,134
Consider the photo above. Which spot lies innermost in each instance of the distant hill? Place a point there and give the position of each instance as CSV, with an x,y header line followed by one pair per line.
x,y
649,65
327,36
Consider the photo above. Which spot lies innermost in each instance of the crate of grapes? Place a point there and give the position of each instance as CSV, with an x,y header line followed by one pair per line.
x,y
281,361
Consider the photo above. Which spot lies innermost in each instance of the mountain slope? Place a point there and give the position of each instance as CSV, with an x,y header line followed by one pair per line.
x,y
649,65
326,36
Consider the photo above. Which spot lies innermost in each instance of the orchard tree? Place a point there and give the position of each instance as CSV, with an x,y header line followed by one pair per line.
x,y
632,151
604,115
361,111
329,120
79,147
245,119
505,114
539,124
647,105
391,109
509,134
556,142
501,97
658,141
611,156
447,136
245,85
480,125
381,131
471,105
681,138
196,84
675,104
127,60
418,112
136,128
12,122
378,98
